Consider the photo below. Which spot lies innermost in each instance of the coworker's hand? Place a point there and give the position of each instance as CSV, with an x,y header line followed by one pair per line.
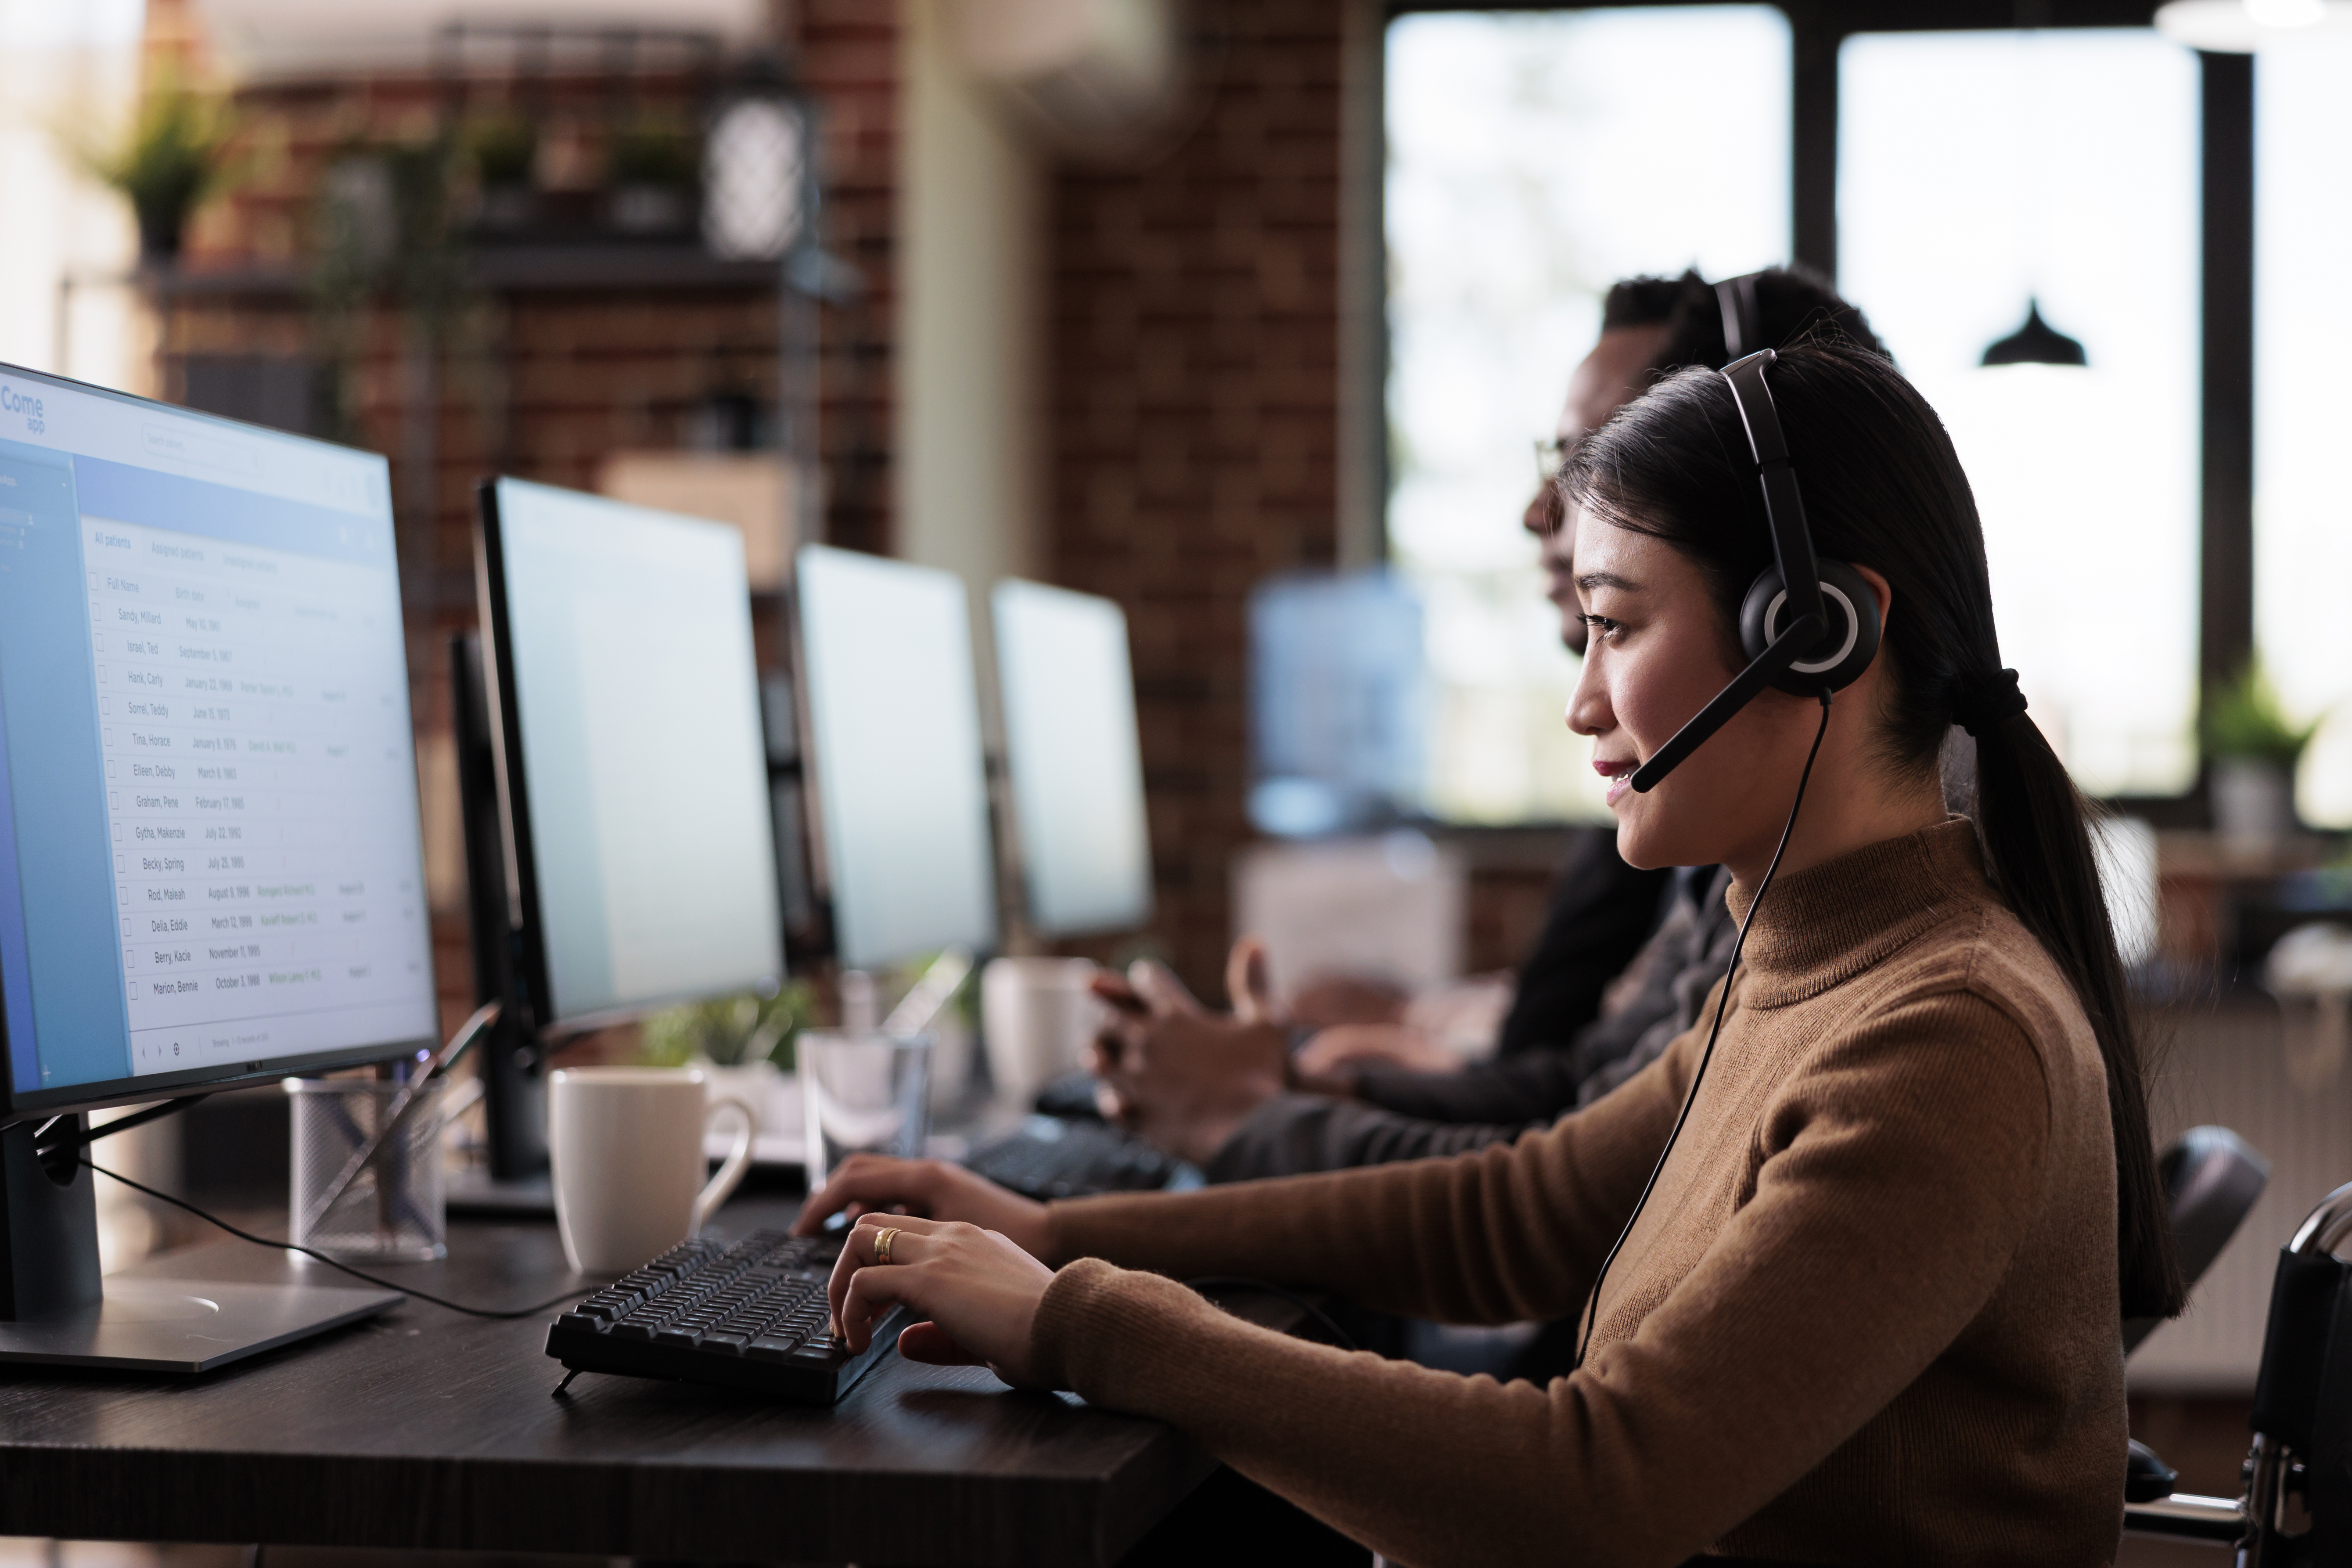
x,y
1179,1077
1335,1052
975,1290
868,1185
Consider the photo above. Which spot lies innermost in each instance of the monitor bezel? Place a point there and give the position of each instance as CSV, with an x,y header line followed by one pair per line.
x,y
526,929
18,1105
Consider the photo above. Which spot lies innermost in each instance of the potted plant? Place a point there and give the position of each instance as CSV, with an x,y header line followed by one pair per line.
x,y
504,151
743,1045
2250,749
651,173
174,156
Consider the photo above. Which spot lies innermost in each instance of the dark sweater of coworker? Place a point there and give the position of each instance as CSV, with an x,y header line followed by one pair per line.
x,y
1868,1316
1399,1114
1602,911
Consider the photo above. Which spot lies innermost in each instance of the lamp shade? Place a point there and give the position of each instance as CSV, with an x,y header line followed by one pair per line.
x,y
755,170
2035,343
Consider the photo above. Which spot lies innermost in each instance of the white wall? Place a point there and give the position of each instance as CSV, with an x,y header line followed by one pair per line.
x,y
971,332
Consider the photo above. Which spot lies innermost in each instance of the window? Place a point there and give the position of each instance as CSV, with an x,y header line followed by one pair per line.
x,y
1530,165
1980,171
2303,330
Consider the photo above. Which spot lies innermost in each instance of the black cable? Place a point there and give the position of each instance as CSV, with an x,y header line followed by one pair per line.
x,y
1591,1313
531,1311
89,1136
1346,1341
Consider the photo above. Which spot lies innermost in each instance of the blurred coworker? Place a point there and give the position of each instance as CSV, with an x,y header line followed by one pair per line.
x,y
1608,984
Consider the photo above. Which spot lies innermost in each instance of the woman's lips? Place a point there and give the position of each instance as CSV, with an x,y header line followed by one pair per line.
x,y
1619,776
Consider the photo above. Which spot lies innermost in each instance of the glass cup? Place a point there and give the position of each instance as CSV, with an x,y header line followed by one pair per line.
x,y
863,1093
396,1210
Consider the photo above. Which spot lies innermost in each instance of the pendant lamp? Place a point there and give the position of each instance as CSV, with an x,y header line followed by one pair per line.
x,y
2035,343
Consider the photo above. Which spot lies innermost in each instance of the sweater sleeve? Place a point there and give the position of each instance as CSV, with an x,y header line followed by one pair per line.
x,y
1897,1171
1505,1234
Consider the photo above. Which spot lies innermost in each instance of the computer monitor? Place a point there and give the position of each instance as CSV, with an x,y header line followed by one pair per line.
x,y
627,740
894,731
1073,758
211,868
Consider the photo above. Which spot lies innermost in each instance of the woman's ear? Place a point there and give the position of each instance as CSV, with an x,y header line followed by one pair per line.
x,y
1881,590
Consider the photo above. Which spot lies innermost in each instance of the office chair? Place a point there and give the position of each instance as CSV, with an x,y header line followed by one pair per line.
x,y
2296,1508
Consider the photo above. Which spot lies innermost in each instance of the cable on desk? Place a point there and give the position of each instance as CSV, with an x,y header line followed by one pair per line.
x,y
1346,1341
531,1311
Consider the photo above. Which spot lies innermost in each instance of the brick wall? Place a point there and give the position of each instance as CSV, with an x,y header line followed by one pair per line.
x,y
1195,399
848,56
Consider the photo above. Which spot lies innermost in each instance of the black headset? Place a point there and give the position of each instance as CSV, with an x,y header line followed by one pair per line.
x,y
1807,625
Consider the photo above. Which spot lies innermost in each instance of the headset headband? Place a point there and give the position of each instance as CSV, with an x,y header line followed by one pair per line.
x,y
1736,298
1784,509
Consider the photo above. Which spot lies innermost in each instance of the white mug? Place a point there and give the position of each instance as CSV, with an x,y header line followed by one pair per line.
x,y
626,1146
1038,1015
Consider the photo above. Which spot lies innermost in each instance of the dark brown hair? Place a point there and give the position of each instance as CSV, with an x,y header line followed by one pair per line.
x,y
1790,302
1883,488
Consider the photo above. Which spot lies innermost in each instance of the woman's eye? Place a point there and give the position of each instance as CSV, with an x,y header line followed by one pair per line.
x,y
1602,626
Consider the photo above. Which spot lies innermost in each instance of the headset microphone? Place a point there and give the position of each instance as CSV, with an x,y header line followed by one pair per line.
x,y
1808,626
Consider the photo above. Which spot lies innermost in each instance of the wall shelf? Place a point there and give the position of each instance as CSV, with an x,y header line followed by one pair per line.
x,y
509,268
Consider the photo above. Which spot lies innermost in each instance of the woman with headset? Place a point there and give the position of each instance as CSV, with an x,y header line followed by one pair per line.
x,y
1854,1254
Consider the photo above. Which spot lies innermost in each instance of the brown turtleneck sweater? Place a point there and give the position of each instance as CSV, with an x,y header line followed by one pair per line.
x,y
1869,1316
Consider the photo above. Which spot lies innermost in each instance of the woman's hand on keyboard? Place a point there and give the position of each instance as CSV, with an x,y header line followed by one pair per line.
x,y
975,1293
868,1185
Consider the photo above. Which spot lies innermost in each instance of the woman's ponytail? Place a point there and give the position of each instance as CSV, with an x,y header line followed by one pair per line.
x,y
2038,848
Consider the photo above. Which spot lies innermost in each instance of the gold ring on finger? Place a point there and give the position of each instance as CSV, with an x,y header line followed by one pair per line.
x,y
882,1240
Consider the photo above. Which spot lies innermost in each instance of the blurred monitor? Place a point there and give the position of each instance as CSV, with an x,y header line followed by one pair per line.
x,y
1074,760
210,862
893,733
633,770
1338,698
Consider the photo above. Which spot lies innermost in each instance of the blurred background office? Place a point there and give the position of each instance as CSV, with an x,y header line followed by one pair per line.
x,y
1248,316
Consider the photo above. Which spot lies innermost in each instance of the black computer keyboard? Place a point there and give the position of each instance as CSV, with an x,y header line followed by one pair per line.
x,y
749,1315
1052,1158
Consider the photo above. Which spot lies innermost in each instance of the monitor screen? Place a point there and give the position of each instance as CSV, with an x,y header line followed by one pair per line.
x,y
1073,757
210,863
893,726
635,773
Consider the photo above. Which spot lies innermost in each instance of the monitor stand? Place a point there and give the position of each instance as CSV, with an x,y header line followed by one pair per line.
x,y
55,1310
514,1081
479,1195
514,1106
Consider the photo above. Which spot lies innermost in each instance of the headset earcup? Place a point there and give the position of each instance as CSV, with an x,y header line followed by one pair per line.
x,y
1838,580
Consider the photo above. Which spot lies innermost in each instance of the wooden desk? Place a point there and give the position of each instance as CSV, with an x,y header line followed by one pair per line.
x,y
429,1430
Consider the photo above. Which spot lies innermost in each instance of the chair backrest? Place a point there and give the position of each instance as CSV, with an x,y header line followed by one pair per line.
x,y
2211,1178
2300,1494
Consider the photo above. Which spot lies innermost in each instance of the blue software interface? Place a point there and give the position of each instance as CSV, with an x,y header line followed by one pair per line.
x,y
209,851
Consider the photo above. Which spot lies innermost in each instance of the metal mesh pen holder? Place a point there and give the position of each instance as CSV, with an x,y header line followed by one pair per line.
x,y
395,1210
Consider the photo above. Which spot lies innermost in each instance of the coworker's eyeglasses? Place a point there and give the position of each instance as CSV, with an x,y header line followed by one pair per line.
x,y
1550,455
